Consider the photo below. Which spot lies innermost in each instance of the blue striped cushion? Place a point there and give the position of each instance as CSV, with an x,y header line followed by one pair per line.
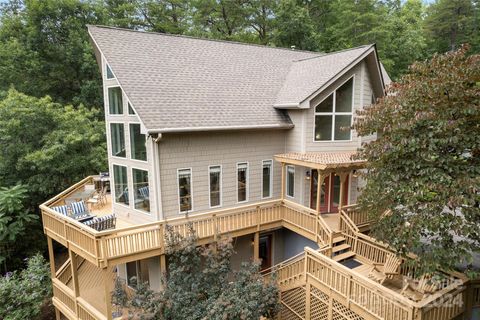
x,y
144,192
61,209
78,207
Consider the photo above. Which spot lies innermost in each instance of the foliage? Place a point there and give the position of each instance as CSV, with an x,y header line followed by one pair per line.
x,y
202,285
425,163
47,146
44,50
25,293
14,219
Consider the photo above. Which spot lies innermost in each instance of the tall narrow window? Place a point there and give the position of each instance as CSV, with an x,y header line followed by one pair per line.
x,y
185,189
291,181
242,182
215,186
130,109
333,116
109,73
141,190
138,148
267,178
115,101
120,184
117,136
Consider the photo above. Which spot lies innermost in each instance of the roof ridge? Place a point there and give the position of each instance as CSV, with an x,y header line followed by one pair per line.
x,y
336,52
204,39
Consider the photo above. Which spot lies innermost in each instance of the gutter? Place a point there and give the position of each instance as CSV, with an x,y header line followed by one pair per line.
x,y
220,128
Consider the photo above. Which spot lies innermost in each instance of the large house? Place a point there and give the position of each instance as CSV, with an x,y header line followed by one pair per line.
x,y
245,140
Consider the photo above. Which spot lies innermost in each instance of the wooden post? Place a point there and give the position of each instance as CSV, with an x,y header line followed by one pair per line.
x,y
107,283
283,181
51,257
73,267
57,314
256,246
343,179
307,300
320,178
163,263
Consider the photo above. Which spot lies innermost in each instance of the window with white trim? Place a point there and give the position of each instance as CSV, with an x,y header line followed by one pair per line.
x,y
333,116
138,143
215,186
109,72
242,182
130,109
185,190
290,181
117,137
120,185
267,178
141,190
115,100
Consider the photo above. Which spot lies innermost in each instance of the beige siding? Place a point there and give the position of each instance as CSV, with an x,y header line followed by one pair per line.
x,y
201,150
295,138
367,99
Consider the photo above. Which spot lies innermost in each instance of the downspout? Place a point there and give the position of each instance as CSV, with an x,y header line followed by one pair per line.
x,y
156,138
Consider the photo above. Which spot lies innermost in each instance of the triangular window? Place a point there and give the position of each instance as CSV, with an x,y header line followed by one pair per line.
x,y
109,73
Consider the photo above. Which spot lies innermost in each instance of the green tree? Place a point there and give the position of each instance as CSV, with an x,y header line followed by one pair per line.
x,y
45,50
202,285
14,220
294,26
425,163
449,23
26,294
47,146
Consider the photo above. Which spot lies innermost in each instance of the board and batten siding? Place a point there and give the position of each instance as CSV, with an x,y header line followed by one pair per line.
x,y
198,151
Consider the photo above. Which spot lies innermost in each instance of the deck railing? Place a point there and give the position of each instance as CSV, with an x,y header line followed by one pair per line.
x,y
358,217
100,247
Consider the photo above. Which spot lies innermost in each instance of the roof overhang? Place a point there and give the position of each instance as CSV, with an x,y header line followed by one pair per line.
x,y
220,128
325,161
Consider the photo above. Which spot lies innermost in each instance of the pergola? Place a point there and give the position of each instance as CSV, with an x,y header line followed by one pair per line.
x,y
342,163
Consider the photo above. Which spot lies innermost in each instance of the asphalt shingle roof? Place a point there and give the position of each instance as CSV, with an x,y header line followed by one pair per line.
x,y
178,83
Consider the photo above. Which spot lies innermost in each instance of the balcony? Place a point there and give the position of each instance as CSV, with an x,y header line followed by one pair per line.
x,y
312,284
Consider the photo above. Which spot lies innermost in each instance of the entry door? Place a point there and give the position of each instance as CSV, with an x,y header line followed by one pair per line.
x,y
335,193
324,193
265,251
330,193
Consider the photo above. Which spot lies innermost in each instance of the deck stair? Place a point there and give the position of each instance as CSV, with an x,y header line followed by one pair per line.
x,y
341,250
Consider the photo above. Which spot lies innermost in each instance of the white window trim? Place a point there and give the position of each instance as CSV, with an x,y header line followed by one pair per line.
x,y
221,187
286,182
130,142
128,186
333,114
178,190
271,178
125,134
247,186
123,102
133,191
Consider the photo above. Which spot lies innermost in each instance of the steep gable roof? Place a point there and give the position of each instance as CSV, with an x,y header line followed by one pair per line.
x,y
180,83
309,75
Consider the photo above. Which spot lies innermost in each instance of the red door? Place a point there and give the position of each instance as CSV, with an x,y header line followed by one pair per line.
x,y
330,193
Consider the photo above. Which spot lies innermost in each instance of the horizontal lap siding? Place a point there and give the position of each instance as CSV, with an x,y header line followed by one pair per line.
x,y
201,150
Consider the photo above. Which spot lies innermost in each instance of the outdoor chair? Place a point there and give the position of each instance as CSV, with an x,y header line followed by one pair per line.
x,y
100,198
418,289
102,223
388,270
62,209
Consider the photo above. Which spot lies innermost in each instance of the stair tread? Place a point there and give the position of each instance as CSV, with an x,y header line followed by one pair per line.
x,y
338,239
344,256
341,247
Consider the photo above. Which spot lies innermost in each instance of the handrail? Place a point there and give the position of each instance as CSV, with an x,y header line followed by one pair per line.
x,y
348,222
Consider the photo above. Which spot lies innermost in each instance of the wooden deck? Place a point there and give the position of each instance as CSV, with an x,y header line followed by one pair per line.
x,y
314,276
